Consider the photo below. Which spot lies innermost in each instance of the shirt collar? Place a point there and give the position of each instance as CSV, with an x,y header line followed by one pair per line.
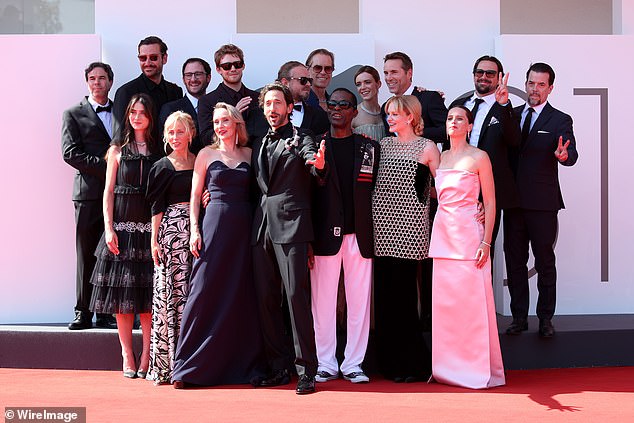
x,y
537,109
94,103
193,100
489,99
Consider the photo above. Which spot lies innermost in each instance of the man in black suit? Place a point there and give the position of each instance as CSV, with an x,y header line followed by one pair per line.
x,y
494,129
321,65
196,77
342,218
284,163
535,164
398,70
230,65
294,75
152,57
86,134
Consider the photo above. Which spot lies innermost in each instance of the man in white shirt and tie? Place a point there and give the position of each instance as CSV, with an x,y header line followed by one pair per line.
x,y
86,135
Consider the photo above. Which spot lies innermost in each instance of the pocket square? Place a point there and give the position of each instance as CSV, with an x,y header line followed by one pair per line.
x,y
493,121
543,132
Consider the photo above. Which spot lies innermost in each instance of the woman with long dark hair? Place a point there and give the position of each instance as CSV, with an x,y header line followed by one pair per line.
x,y
122,277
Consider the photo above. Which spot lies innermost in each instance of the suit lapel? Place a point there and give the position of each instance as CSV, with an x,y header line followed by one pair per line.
x,y
90,113
542,119
261,173
330,158
279,148
308,117
485,127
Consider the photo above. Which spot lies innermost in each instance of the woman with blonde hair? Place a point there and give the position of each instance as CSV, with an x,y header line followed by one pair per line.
x,y
220,341
169,188
400,208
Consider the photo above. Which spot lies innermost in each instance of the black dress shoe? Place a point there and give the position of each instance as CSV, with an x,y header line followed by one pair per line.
x,y
305,385
277,378
83,320
546,328
105,321
517,327
178,384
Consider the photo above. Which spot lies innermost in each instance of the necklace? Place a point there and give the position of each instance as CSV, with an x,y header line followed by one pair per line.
x,y
369,112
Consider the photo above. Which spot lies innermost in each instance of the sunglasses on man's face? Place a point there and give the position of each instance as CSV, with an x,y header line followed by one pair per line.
x,y
238,64
152,57
320,69
490,73
343,104
303,80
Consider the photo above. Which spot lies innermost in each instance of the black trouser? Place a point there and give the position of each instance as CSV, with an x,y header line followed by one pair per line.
x,y
88,231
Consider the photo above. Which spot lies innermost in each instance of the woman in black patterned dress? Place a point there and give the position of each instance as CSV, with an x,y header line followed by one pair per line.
x,y
169,188
122,279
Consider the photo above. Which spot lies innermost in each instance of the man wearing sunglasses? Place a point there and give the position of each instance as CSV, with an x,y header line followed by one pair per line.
x,y
294,75
398,71
494,129
342,220
196,77
152,55
230,65
321,65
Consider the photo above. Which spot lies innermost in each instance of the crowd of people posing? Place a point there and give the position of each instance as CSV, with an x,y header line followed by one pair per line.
x,y
228,238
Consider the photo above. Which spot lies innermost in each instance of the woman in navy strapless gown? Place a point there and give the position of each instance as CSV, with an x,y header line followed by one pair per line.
x,y
220,339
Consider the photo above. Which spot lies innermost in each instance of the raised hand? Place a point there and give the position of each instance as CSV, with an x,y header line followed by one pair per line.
x,y
319,158
562,150
243,104
502,91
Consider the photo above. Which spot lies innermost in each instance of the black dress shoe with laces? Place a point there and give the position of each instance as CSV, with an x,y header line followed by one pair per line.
x,y
517,327
546,328
305,385
105,321
277,378
83,320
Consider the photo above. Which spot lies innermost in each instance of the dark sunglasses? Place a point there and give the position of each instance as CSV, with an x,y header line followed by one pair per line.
x,y
152,57
343,104
303,80
489,73
320,68
238,64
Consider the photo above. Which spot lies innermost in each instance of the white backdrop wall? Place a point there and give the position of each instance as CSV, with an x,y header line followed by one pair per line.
x,y
38,257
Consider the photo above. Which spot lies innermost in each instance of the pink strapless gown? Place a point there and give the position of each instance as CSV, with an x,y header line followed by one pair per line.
x,y
465,344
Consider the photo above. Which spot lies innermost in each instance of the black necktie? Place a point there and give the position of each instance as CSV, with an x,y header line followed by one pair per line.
x,y
477,101
297,107
526,128
107,108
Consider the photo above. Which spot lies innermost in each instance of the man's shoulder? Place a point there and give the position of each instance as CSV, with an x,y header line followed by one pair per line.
x,y
177,104
461,100
172,86
77,107
211,97
133,84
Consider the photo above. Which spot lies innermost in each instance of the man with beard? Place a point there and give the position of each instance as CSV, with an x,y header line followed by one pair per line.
x,y
494,129
152,57
196,77
547,140
284,163
294,75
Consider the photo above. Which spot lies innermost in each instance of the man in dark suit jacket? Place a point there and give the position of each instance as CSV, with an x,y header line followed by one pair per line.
x,y
229,60
196,77
494,129
86,134
547,141
398,70
342,218
152,56
284,163
294,75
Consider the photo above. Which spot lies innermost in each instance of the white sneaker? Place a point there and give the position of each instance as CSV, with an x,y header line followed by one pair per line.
x,y
324,376
357,377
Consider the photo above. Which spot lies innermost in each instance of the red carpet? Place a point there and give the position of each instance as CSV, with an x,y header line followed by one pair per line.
x,y
576,395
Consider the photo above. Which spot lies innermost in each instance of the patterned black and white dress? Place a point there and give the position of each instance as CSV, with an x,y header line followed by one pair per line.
x,y
168,193
122,283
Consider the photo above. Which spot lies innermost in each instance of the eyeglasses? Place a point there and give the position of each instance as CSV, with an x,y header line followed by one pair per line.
x,y
197,75
152,57
490,73
343,104
320,68
238,64
303,80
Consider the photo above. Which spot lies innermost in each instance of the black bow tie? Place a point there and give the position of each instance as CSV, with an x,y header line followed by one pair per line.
x,y
297,107
107,108
273,136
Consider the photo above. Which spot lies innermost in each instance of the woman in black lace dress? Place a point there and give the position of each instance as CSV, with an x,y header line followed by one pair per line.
x,y
122,278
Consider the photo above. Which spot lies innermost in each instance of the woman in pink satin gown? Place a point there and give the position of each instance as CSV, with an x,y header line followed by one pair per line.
x,y
465,343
